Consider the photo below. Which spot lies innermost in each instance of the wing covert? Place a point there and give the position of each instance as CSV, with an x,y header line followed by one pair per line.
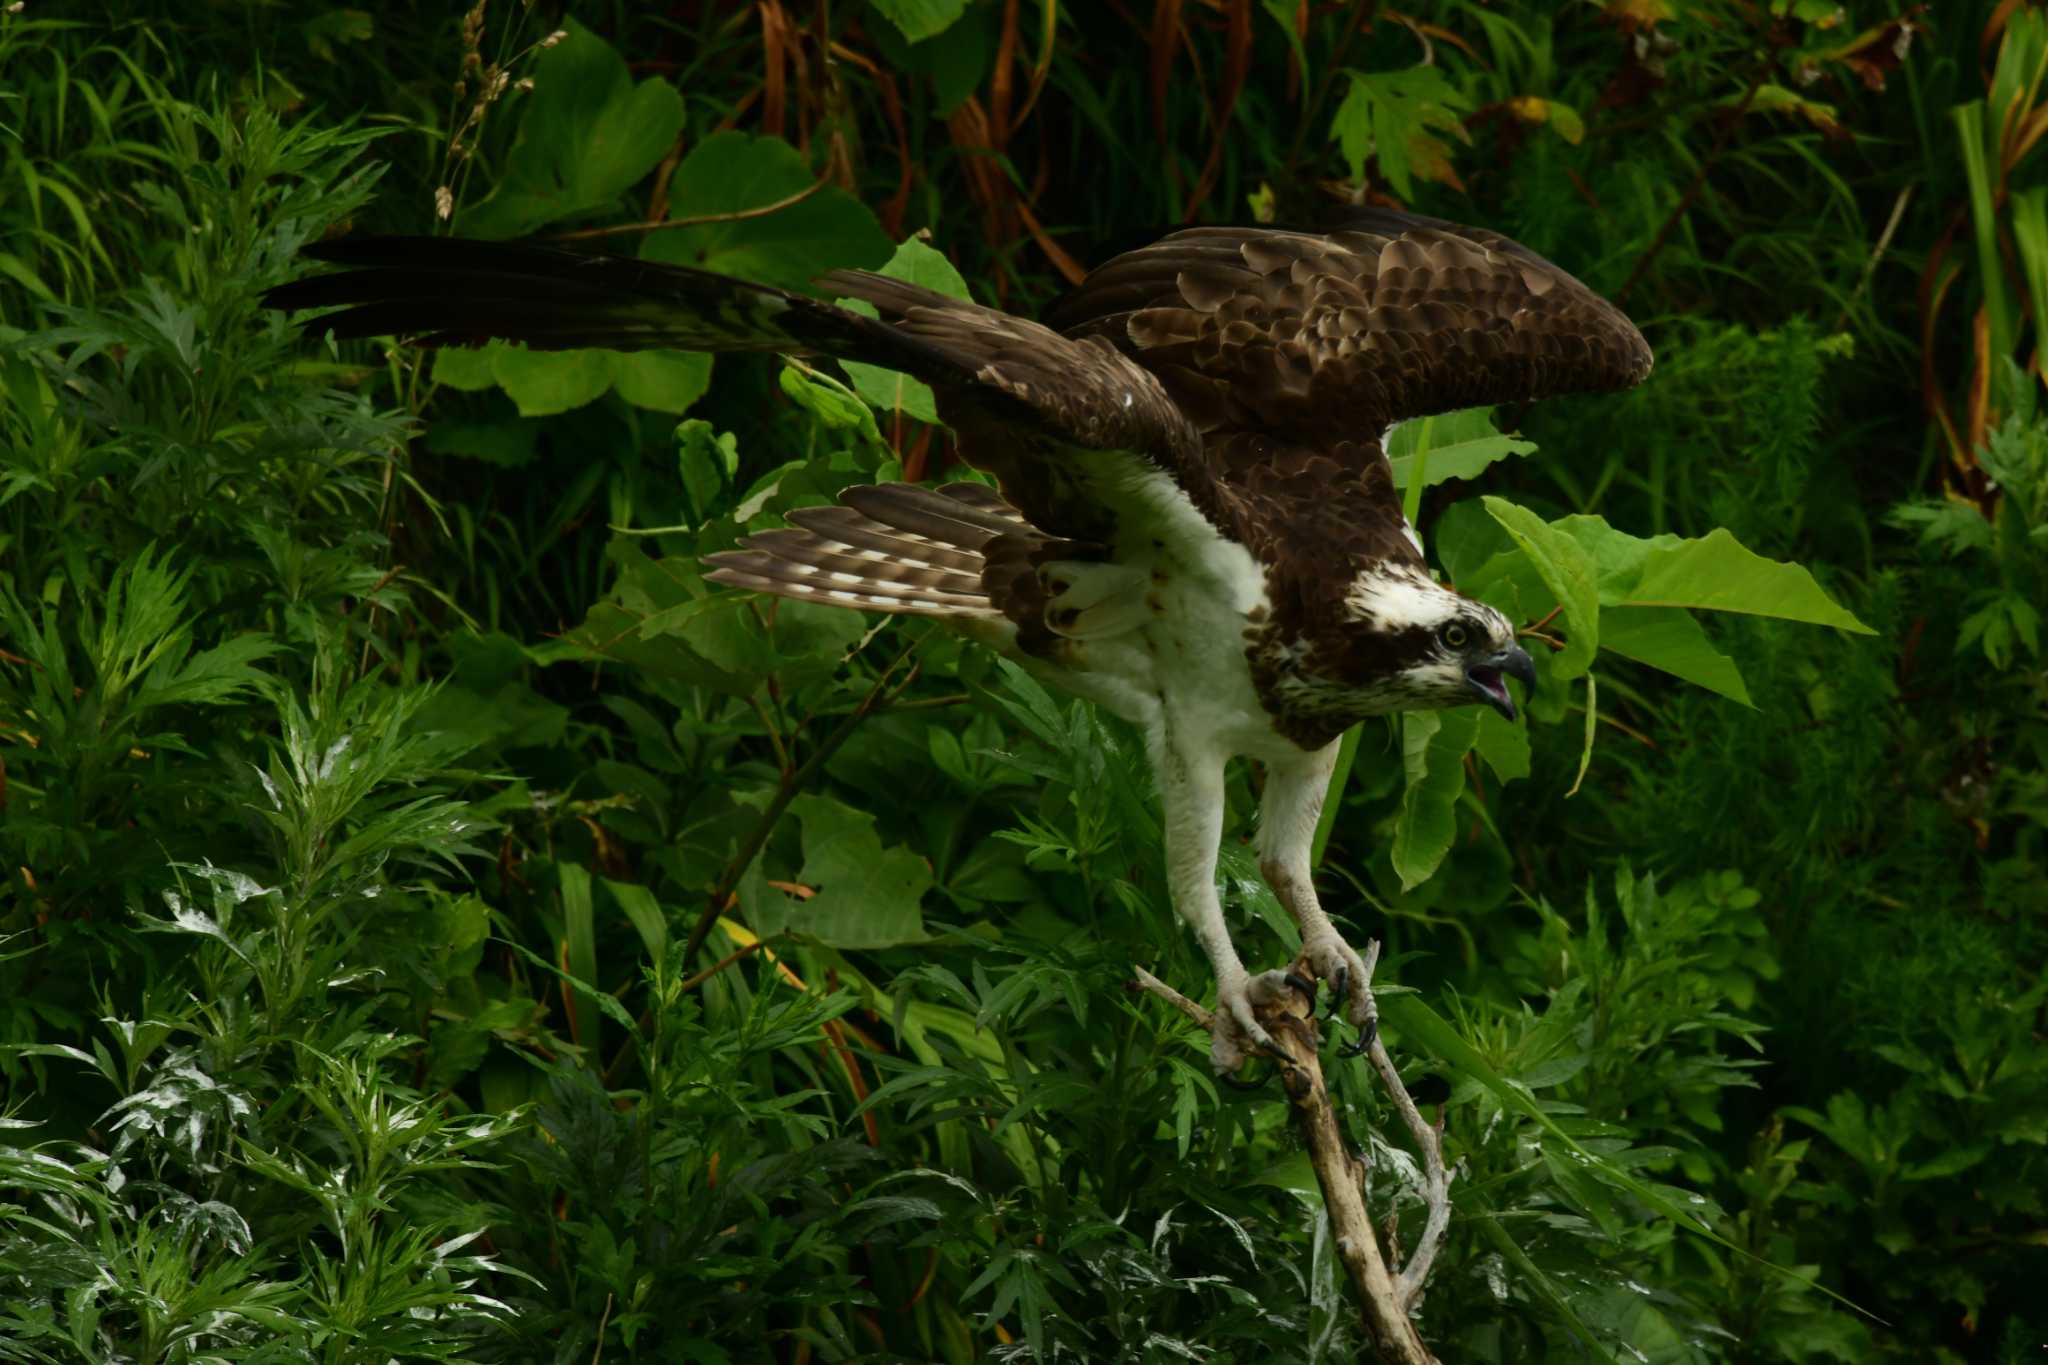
x,y
1337,336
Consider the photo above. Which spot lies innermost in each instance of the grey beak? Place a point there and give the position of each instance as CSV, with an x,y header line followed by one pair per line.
x,y
1485,677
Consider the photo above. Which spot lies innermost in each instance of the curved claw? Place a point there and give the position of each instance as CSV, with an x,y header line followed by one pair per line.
x,y
1340,990
1305,988
1235,1084
1365,1040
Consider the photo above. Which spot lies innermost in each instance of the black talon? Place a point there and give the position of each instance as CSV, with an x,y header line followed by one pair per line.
x,y
1365,1037
1306,987
1341,991
1235,1084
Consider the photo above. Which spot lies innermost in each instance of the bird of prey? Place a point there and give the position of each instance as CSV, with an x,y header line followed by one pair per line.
x,y
1197,526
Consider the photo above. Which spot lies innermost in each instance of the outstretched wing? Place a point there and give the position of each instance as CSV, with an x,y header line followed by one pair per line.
x,y
1322,335
1294,352
1076,432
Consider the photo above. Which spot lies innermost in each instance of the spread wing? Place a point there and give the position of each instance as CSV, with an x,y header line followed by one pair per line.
x,y
1294,353
1078,434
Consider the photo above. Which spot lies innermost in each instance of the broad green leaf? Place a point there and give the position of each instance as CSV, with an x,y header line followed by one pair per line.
x,y
1618,557
1433,747
1461,444
1668,638
665,381
735,173
867,895
1715,573
1568,571
586,134
921,19
543,383
1502,743
467,368
887,390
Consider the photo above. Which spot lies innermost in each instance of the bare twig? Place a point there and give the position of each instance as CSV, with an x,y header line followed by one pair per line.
x,y
697,220
785,791
1385,1297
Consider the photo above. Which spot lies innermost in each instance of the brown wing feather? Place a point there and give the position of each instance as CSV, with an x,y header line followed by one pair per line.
x,y
1293,353
1333,335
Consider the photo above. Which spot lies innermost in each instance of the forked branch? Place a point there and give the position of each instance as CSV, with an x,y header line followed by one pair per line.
x,y
1387,1289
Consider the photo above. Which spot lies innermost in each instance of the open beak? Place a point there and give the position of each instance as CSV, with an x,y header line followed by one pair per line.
x,y
1488,677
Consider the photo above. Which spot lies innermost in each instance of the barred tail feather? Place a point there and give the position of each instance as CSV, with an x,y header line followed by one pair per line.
x,y
893,548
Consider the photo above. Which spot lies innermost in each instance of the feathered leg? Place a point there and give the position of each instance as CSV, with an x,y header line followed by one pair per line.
x,y
1295,790
1191,804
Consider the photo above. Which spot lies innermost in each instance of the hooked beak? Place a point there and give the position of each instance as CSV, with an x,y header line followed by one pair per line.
x,y
1487,677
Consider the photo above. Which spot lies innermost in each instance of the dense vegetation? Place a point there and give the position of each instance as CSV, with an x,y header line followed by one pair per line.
x,y
435,927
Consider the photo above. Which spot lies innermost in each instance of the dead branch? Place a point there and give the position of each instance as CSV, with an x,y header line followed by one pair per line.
x,y
1387,1289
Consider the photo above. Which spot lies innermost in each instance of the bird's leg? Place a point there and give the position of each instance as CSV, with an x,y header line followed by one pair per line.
x,y
1295,789
1191,804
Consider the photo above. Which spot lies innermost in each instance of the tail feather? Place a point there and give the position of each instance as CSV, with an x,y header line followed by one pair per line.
x,y
448,291
893,547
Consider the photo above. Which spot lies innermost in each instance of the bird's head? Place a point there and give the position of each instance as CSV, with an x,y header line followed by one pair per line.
x,y
1425,646
1396,640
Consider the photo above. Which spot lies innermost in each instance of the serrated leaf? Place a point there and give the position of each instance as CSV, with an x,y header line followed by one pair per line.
x,y
1390,115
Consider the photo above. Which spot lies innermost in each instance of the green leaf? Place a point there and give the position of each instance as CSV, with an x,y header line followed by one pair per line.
x,y
830,401
735,173
467,368
867,896
586,134
509,445
1433,747
887,390
1461,444
921,19
1715,573
1503,744
1390,115
645,913
543,383
1568,571
708,462
665,381
579,947
1669,638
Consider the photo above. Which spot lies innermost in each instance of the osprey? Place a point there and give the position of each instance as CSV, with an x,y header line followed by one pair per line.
x,y
1197,526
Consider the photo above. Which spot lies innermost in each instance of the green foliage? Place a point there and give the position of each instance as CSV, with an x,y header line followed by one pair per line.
x,y
440,927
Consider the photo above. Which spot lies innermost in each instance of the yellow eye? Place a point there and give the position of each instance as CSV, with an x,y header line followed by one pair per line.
x,y
1453,635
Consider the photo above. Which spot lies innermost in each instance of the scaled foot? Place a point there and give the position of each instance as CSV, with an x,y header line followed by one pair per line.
x,y
1235,1034
1337,965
